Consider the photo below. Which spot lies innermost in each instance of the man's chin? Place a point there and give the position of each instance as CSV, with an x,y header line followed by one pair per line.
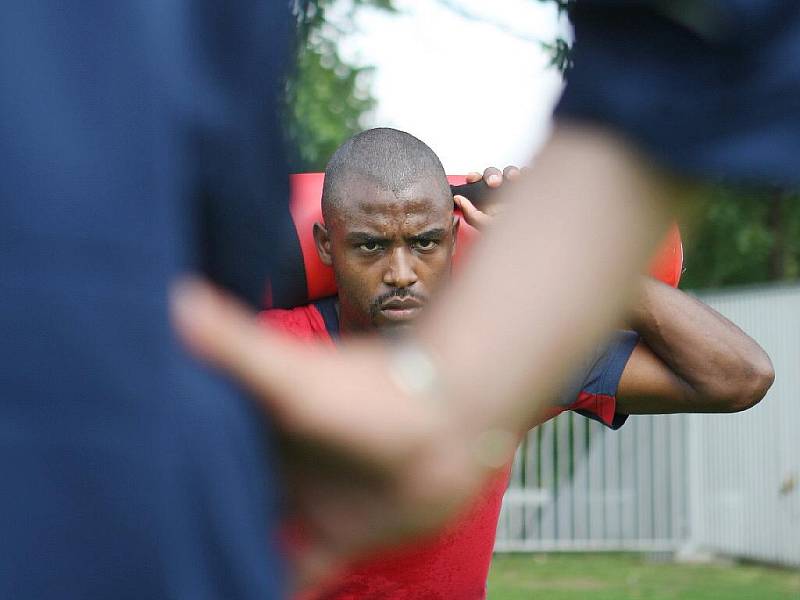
x,y
394,330
394,323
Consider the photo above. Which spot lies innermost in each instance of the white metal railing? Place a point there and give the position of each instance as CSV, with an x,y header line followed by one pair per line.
x,y
722,483
578,486
745,483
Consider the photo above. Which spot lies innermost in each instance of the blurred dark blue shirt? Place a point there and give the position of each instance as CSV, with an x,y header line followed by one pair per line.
x,y
138,140
708,88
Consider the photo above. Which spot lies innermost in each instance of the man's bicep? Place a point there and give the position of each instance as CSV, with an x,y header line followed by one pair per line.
x,y
649,386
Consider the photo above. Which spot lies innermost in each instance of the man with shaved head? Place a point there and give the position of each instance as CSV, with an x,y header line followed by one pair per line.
x,y
389,230
389,234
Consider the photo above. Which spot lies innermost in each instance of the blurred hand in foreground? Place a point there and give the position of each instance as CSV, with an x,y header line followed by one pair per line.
x,y
366,463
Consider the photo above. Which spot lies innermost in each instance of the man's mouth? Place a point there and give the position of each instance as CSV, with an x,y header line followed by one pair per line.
x,y
401,309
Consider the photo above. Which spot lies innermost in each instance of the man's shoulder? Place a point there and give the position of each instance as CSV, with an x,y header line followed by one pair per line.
x,y
303,322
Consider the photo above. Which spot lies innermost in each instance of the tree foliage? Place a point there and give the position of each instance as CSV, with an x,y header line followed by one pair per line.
x,y
327,98
742,237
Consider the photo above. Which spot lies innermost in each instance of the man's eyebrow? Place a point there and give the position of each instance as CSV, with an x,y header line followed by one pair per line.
x,y
359,237
430,234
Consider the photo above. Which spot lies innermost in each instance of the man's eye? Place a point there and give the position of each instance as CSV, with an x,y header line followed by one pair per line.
x,y
425,245
370,247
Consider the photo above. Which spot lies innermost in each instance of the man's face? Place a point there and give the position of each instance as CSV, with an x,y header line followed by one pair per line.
x,y
389,252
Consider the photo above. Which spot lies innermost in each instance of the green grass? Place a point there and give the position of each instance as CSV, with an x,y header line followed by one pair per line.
x,y
631,576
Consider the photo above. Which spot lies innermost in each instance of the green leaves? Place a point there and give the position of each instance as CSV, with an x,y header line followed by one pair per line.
x,y
742,237
326,98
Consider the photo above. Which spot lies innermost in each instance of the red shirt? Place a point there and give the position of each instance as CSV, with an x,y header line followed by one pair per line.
x,y
453,564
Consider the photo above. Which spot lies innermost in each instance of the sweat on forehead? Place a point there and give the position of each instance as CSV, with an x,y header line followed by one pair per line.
x,y
387,159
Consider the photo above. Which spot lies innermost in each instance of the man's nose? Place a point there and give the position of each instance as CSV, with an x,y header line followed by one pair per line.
x,y
400,271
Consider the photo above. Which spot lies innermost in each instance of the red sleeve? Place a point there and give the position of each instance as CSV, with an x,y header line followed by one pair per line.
x,y
305,323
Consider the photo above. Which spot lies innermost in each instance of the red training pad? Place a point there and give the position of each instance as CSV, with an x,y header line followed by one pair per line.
x,y
667,264
306,192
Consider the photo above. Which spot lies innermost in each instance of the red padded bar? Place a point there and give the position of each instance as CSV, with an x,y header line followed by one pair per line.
x,y
306,192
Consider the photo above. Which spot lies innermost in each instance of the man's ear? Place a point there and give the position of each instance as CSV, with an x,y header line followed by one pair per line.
x,y
456,224
323,243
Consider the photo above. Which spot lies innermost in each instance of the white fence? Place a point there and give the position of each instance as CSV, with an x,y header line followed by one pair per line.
x,y
745,487
722,483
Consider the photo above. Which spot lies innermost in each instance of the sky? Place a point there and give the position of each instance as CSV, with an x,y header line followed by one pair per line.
x,y
477,89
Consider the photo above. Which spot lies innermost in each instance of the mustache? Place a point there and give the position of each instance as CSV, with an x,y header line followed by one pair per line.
x,y
400,294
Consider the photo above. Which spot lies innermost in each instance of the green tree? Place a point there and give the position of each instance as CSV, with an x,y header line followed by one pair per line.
x,y
326,97
742,237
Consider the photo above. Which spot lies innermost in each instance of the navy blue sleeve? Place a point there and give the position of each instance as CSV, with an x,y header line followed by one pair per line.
x,y
594,389
245,234
138,140
708,89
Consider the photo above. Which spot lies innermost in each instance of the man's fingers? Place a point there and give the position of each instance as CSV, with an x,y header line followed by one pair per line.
x,y
220,330
493,177
473,176
472,215
511,172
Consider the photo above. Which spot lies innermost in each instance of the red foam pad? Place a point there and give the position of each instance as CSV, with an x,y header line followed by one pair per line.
x,y
306,192
667,264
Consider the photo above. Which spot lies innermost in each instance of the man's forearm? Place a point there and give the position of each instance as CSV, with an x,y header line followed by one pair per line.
x,y
724,368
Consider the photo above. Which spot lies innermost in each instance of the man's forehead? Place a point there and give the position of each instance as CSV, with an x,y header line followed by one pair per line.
x,y
369,202
413,220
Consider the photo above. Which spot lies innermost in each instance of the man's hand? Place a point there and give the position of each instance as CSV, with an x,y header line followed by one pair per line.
x,y
473,215
494,178
366,463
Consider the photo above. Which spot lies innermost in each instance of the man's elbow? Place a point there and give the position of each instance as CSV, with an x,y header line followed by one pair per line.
x,y
761,380
753,384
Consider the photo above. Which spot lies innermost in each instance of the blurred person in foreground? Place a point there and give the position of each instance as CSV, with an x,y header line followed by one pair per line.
x,y
389,233
659,91
138,141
